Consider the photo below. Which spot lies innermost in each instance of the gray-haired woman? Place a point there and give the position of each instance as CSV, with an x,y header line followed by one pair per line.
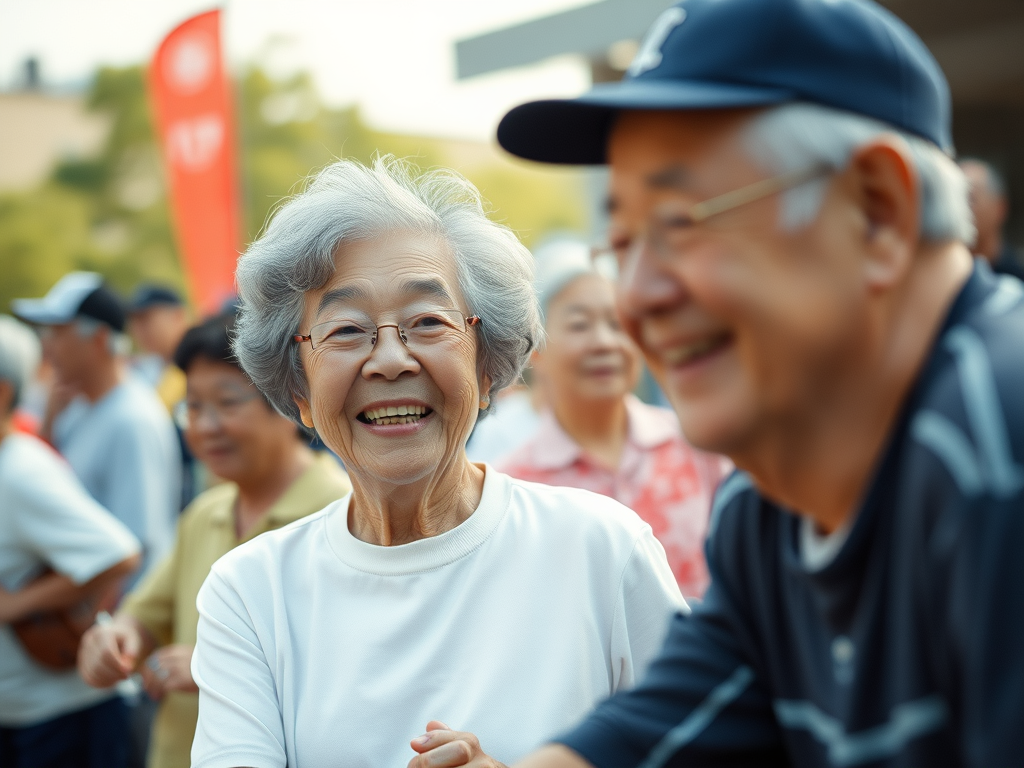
x,y
384,310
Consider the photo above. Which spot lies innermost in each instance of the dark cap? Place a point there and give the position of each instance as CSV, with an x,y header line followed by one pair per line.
x,y
77,294
851,55
148,295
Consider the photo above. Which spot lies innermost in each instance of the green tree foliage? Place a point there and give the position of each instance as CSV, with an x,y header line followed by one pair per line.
x,y
109,213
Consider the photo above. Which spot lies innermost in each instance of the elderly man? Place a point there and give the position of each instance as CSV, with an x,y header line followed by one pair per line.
x,y
790,231
111,428
990,206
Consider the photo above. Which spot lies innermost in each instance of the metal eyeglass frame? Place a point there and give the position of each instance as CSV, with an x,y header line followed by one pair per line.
x,y
470,321
704,210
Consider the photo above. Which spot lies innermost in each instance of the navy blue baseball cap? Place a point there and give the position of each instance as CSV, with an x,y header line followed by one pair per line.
x,y
150,295
851,55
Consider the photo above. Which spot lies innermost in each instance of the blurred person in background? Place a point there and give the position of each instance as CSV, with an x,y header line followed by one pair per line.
x,y
385,310
111,428
272,477
595,433
514,421
990,206
157,321
58,546
790,231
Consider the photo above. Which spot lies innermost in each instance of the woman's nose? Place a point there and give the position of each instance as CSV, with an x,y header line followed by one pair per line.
x,y
390,356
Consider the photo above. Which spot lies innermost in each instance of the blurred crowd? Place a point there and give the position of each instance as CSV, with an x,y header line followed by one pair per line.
x,y
475,514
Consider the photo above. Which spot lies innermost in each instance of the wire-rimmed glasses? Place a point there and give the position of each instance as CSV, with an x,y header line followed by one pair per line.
x,y
672,221
358,335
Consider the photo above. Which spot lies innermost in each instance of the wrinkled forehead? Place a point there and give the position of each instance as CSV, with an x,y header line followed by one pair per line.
x,y
653,151
388,272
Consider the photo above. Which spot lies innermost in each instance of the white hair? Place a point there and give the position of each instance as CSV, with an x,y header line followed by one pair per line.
x,y
20,353
118,343
346,202
792,137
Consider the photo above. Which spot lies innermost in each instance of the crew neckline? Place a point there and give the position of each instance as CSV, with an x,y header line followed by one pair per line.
x,y
426,554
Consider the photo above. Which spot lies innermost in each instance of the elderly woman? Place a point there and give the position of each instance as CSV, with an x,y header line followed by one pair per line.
x,y
442,614
273,478
598,436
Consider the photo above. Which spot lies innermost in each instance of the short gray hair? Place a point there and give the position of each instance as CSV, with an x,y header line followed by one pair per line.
x,y
20,354
794,136
346,202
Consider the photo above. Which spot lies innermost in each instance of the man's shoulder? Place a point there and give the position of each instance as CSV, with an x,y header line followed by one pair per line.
x,y
26,461
970,415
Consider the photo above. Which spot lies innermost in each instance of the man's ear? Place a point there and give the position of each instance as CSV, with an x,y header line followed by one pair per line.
x,y
305,413
886,188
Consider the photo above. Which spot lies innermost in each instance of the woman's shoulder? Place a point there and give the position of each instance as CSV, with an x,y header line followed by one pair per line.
x,y
575,509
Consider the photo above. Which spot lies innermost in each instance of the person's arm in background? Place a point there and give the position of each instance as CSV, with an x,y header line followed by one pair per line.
x,y
77,538
55,591
145,622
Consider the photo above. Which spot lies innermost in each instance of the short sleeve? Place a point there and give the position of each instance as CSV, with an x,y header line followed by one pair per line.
x,y
648,598
151,602
61,523
239,712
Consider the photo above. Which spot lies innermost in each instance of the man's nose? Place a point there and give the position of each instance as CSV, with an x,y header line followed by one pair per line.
x,y
647,283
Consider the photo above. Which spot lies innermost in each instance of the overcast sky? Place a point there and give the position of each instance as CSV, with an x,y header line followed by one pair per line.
x,y
395,58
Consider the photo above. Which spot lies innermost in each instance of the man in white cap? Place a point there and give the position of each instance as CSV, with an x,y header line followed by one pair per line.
x,y
112,429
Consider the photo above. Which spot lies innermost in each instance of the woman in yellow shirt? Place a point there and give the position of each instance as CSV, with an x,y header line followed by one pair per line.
x,y
273,479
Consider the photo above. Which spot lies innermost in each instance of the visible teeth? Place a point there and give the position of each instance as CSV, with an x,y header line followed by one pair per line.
x,y
400,414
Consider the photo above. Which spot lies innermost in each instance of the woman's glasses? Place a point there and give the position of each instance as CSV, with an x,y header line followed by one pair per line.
x,y
351,335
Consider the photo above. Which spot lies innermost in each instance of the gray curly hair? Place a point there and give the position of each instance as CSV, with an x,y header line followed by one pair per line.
x,y
349,201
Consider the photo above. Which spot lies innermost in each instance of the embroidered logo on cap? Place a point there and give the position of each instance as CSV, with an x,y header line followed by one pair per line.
x,y
649,55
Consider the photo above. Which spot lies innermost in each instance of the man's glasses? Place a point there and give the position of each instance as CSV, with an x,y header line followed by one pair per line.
x,y
358,336
671,223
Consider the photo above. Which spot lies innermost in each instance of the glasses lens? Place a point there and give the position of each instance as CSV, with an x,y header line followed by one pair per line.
x,y
342,334
433,326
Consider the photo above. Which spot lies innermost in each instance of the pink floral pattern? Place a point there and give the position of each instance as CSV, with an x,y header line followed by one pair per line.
x,y
667,482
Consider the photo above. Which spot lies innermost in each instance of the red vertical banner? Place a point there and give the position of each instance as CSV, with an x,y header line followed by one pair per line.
x,y
192,104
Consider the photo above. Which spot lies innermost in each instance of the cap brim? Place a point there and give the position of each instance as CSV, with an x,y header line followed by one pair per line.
x,y
39,312
575,131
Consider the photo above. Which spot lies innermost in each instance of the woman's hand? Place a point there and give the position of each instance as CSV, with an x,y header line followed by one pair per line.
x,y
169,669
441,747
108,653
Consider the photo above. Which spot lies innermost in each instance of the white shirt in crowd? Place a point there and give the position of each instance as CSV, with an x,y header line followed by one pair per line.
x,y
317,649
125,451
47,519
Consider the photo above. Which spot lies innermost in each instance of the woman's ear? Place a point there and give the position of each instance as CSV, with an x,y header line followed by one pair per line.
x,y
305,413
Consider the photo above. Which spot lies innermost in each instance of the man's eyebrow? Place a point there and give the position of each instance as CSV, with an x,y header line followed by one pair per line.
x,y
671,177
339,295
427,286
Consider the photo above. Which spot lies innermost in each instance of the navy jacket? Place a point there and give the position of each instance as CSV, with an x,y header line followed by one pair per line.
x,y
907,649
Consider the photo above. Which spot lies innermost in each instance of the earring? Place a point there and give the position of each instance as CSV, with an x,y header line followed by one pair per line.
x,y
484,403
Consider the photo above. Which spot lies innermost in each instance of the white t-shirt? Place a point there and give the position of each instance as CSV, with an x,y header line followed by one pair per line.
x,y
318,649
47,519
125,451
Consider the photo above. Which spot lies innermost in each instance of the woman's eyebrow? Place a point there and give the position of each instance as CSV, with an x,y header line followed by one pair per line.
x,y
339,295
429,287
